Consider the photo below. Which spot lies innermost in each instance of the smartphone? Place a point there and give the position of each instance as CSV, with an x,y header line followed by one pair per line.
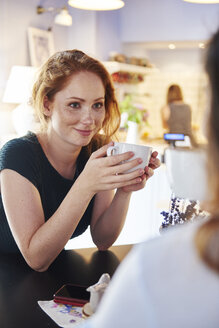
x,y
72,294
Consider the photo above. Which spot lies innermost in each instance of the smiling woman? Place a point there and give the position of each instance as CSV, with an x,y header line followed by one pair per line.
x,y
57,182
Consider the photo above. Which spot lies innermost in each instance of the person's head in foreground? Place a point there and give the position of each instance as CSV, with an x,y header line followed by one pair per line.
x,y
173,280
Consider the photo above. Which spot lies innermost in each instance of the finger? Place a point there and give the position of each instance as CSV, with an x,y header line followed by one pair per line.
x,y
154,163
124,167
101,152
135,181
149,172
154,154
135,187
152,166
117,159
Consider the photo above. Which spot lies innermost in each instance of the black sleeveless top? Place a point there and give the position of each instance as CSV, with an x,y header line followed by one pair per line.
x,y
25,156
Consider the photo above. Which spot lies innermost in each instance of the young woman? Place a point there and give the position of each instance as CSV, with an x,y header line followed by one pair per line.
x,y
173,281
176,115
58,181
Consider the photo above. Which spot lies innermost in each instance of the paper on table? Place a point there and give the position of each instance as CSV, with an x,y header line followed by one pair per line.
x,y
64,315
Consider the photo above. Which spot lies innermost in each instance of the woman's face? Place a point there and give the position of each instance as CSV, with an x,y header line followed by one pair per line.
x,y
77,111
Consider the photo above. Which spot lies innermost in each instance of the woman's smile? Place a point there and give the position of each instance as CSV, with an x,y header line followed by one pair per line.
x,y
84,133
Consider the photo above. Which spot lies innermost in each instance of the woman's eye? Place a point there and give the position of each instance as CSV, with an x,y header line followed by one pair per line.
x,y
75,105
98,105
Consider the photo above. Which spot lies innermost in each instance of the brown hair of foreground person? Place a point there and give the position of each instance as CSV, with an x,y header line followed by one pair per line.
x,y
56,73
207,238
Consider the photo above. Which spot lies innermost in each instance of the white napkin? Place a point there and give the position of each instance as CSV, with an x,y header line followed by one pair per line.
x,y
64,315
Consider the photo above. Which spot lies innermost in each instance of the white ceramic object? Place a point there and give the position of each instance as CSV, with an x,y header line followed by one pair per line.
x,y
187,173
97,291
140,151
132,133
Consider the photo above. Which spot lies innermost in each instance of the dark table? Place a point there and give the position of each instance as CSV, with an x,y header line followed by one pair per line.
x,y
21,287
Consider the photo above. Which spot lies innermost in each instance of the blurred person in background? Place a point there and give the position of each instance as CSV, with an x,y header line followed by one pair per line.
x,y
173,281
176,115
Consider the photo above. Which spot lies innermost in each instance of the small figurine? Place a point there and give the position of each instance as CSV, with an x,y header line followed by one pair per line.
x,y
96,293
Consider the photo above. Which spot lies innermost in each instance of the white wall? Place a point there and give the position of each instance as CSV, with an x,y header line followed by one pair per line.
x,y
166,20
108,27
15,18
91,32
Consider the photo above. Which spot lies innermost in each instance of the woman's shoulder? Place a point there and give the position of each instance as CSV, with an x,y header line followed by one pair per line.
x,y
19,143
19,151
174,246
19,146
182,233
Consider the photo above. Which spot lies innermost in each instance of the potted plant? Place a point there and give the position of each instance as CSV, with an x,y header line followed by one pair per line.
x,y
134,115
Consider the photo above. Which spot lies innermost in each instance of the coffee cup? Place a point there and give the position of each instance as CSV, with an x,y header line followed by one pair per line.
x,y
140,151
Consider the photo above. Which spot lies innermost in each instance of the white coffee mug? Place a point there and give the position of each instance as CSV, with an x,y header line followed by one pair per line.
x,y
140,151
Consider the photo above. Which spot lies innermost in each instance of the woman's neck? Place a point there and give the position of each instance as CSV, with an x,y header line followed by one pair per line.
x,y
62,156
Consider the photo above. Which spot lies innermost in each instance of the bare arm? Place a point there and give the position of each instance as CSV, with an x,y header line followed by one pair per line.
x,y
40,242
109,217
110,210
165,114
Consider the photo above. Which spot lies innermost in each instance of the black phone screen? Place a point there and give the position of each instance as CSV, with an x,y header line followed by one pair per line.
x,y
73,291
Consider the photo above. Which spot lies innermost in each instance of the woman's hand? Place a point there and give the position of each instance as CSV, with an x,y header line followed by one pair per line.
x,y
107,173
154,163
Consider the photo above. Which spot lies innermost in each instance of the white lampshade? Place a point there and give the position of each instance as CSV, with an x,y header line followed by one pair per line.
x,y
19,85
18,91
202,1
97,4
63,18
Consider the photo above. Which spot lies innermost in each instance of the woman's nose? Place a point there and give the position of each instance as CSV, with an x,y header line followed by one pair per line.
x,y
87,117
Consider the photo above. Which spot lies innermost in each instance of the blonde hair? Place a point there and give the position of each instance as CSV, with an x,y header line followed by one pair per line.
x,y
207,237
56,73
174,93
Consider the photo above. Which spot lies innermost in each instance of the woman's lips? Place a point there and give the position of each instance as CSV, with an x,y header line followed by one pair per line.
x,y
84,133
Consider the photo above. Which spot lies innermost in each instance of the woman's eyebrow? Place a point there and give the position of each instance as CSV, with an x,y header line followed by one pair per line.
x,y
81,99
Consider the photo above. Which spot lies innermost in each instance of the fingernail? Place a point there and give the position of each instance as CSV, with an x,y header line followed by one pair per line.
x,y
140,161
141,171
151,172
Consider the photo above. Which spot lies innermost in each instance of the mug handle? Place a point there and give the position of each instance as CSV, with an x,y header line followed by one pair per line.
x,y
112,150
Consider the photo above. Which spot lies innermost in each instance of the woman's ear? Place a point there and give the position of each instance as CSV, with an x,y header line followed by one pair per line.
x,y
47,106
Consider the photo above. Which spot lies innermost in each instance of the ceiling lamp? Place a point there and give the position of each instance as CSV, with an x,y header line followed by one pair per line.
x,y
202,1
97,4
62,18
